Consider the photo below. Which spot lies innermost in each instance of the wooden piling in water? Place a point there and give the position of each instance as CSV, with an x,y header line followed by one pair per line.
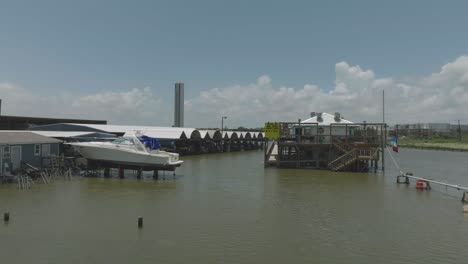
x,y
106,172
6,217
140,222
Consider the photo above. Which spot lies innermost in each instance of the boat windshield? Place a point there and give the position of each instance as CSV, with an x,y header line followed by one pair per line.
x,y
123,141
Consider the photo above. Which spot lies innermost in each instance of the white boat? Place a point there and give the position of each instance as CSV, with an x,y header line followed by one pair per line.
x,y
128,150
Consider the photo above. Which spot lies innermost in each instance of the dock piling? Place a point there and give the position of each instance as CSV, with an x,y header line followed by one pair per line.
x,y
106,172
155,174
140,222
402,179
465,197
6,217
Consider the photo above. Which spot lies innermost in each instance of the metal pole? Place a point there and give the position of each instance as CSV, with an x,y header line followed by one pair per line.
x,y
384,133
459,131
222,132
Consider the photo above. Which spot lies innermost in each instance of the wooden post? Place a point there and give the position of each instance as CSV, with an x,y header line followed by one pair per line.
x,y
155,174
6,217
140,222
121,173
106,172
139,173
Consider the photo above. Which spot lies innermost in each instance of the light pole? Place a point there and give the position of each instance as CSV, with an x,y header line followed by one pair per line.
x,y
222,124
222,132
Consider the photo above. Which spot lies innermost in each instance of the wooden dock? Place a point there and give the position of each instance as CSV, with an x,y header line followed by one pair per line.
x,y
338,147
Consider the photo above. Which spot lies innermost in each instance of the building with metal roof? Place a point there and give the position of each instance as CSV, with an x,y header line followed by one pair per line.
x,y
17,147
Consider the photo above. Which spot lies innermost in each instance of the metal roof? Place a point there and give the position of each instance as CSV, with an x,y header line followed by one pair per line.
x,y
327,119
245,134
230,135
24,137
210,134
165,132
71,134
63,130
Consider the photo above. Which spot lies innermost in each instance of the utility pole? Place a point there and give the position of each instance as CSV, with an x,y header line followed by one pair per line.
x,y
222,132
384,133
459,131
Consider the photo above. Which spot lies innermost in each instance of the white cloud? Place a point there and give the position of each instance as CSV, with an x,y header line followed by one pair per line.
x,y
437,97
357,94
136,106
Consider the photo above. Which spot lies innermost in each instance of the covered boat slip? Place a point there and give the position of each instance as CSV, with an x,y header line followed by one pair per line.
x,y
343,146
185,141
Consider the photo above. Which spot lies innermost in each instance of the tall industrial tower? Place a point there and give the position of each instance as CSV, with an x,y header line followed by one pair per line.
x,y
179,105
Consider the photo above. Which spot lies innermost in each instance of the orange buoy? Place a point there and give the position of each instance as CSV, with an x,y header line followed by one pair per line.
x,y
420,185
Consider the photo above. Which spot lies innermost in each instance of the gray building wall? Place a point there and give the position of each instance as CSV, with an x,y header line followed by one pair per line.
x,y
27,155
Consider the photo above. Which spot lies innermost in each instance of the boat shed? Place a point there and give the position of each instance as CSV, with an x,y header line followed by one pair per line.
x,y
178,139
23,146
75,135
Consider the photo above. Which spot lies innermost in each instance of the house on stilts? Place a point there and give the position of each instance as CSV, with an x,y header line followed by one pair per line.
x,y
325,141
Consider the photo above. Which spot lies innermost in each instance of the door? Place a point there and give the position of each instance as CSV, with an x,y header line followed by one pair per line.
x,y
15,157
45,150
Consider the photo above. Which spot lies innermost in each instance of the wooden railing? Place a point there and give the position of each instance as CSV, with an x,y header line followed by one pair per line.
x,y
344,160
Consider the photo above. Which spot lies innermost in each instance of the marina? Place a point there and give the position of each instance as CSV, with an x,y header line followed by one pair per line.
x,y
228,208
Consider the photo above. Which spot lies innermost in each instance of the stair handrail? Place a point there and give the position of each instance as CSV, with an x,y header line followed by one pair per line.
x,y
343,159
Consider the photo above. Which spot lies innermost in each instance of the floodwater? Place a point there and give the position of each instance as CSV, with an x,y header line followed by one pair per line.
x,y
228,209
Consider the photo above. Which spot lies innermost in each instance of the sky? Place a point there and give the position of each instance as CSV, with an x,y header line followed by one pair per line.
x,y
252,61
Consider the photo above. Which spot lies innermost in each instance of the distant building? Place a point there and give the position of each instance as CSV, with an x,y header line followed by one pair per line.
x,y
22,146
427,129
324,122
25,122
324,141
179,105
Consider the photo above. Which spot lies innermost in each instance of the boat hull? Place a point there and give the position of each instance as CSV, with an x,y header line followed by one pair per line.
x,y
121,156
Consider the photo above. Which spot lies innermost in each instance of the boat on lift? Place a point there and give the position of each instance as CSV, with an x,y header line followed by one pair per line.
x,y
130,151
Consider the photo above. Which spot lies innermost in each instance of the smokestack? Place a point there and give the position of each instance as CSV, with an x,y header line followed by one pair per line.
x,y
179,105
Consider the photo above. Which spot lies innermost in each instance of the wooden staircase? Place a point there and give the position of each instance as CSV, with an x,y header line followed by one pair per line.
x,y
341,146
344,160
351,156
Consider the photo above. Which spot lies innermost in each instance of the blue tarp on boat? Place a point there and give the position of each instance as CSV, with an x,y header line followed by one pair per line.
x,y
149,142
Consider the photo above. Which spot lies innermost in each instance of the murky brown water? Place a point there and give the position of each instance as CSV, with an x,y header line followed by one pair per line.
x,y
229,209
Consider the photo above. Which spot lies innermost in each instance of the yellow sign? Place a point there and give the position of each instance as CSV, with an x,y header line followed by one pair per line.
x,y
272,130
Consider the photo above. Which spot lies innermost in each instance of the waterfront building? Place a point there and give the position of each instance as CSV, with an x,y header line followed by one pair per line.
x,y
326,141
17,147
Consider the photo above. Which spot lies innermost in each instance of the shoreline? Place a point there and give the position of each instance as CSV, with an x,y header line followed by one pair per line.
x,y
431,147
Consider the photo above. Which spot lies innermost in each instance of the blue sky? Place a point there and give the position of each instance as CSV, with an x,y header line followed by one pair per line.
x,y
88,47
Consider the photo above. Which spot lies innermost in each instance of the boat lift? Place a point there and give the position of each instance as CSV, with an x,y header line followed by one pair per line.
x,y
403,178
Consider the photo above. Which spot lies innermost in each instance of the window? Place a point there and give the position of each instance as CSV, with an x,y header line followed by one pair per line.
x,y
6,152
37,150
